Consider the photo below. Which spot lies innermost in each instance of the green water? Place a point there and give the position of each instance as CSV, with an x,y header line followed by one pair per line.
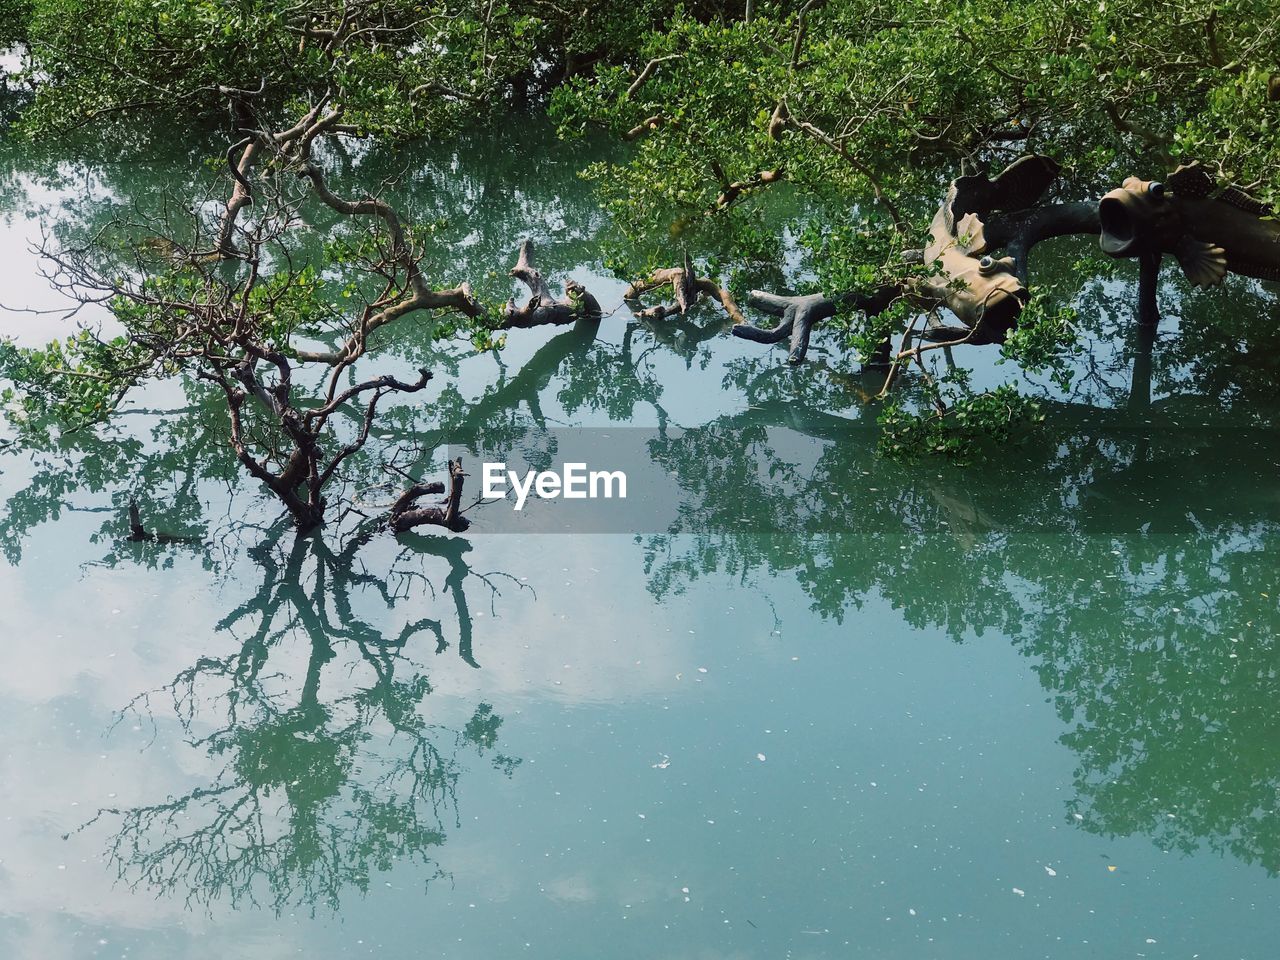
x,y
1026,708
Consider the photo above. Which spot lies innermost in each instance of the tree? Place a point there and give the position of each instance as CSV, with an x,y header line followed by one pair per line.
x,y
186,305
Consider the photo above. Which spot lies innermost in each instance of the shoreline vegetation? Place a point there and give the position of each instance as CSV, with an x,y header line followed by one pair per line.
x,y
933,149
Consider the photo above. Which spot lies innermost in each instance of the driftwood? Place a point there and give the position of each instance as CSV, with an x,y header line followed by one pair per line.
x,y
798,315
406,514
543,307
686,288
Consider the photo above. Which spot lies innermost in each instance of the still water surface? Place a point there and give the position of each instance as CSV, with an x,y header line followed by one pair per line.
x,y
1027,708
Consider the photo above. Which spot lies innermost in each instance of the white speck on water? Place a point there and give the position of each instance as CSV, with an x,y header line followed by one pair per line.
x,y
911,910
1021,893
663,763
1050,871
1149,940
702,669
760,757
684,889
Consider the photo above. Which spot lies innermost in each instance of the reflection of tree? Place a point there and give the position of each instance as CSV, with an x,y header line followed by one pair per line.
x,y
1120,547
316,792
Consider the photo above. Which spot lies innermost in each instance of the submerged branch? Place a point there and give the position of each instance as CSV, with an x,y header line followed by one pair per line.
x,y
406,514
543,307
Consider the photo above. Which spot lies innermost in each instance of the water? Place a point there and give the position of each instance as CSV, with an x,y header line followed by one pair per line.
x,y
1025,708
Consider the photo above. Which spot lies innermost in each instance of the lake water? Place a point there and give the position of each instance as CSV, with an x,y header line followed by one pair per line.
x,y
1025,708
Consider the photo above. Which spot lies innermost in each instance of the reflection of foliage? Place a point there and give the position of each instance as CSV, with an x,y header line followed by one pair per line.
x,y
167,472
312,797
1124,552
1134,645
1165,670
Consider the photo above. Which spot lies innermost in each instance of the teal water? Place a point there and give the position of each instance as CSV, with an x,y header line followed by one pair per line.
x,y
1026,708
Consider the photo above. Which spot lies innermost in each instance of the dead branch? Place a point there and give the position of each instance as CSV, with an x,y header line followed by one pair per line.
x,y
543,307
405,514
798,314
686,288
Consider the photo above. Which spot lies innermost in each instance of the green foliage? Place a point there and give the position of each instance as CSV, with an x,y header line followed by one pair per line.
x,y
1045,340
399,68
957,422
910,87
68,383
109,62
809,145
14,17
869,107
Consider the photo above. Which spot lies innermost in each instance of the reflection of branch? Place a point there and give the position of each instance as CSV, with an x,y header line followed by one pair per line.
x,y
309,801
139,534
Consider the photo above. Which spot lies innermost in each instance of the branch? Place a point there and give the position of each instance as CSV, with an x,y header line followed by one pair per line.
x,y
686,287
647,72
405,514
380,386
420,296
648,125
542,306
799,314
